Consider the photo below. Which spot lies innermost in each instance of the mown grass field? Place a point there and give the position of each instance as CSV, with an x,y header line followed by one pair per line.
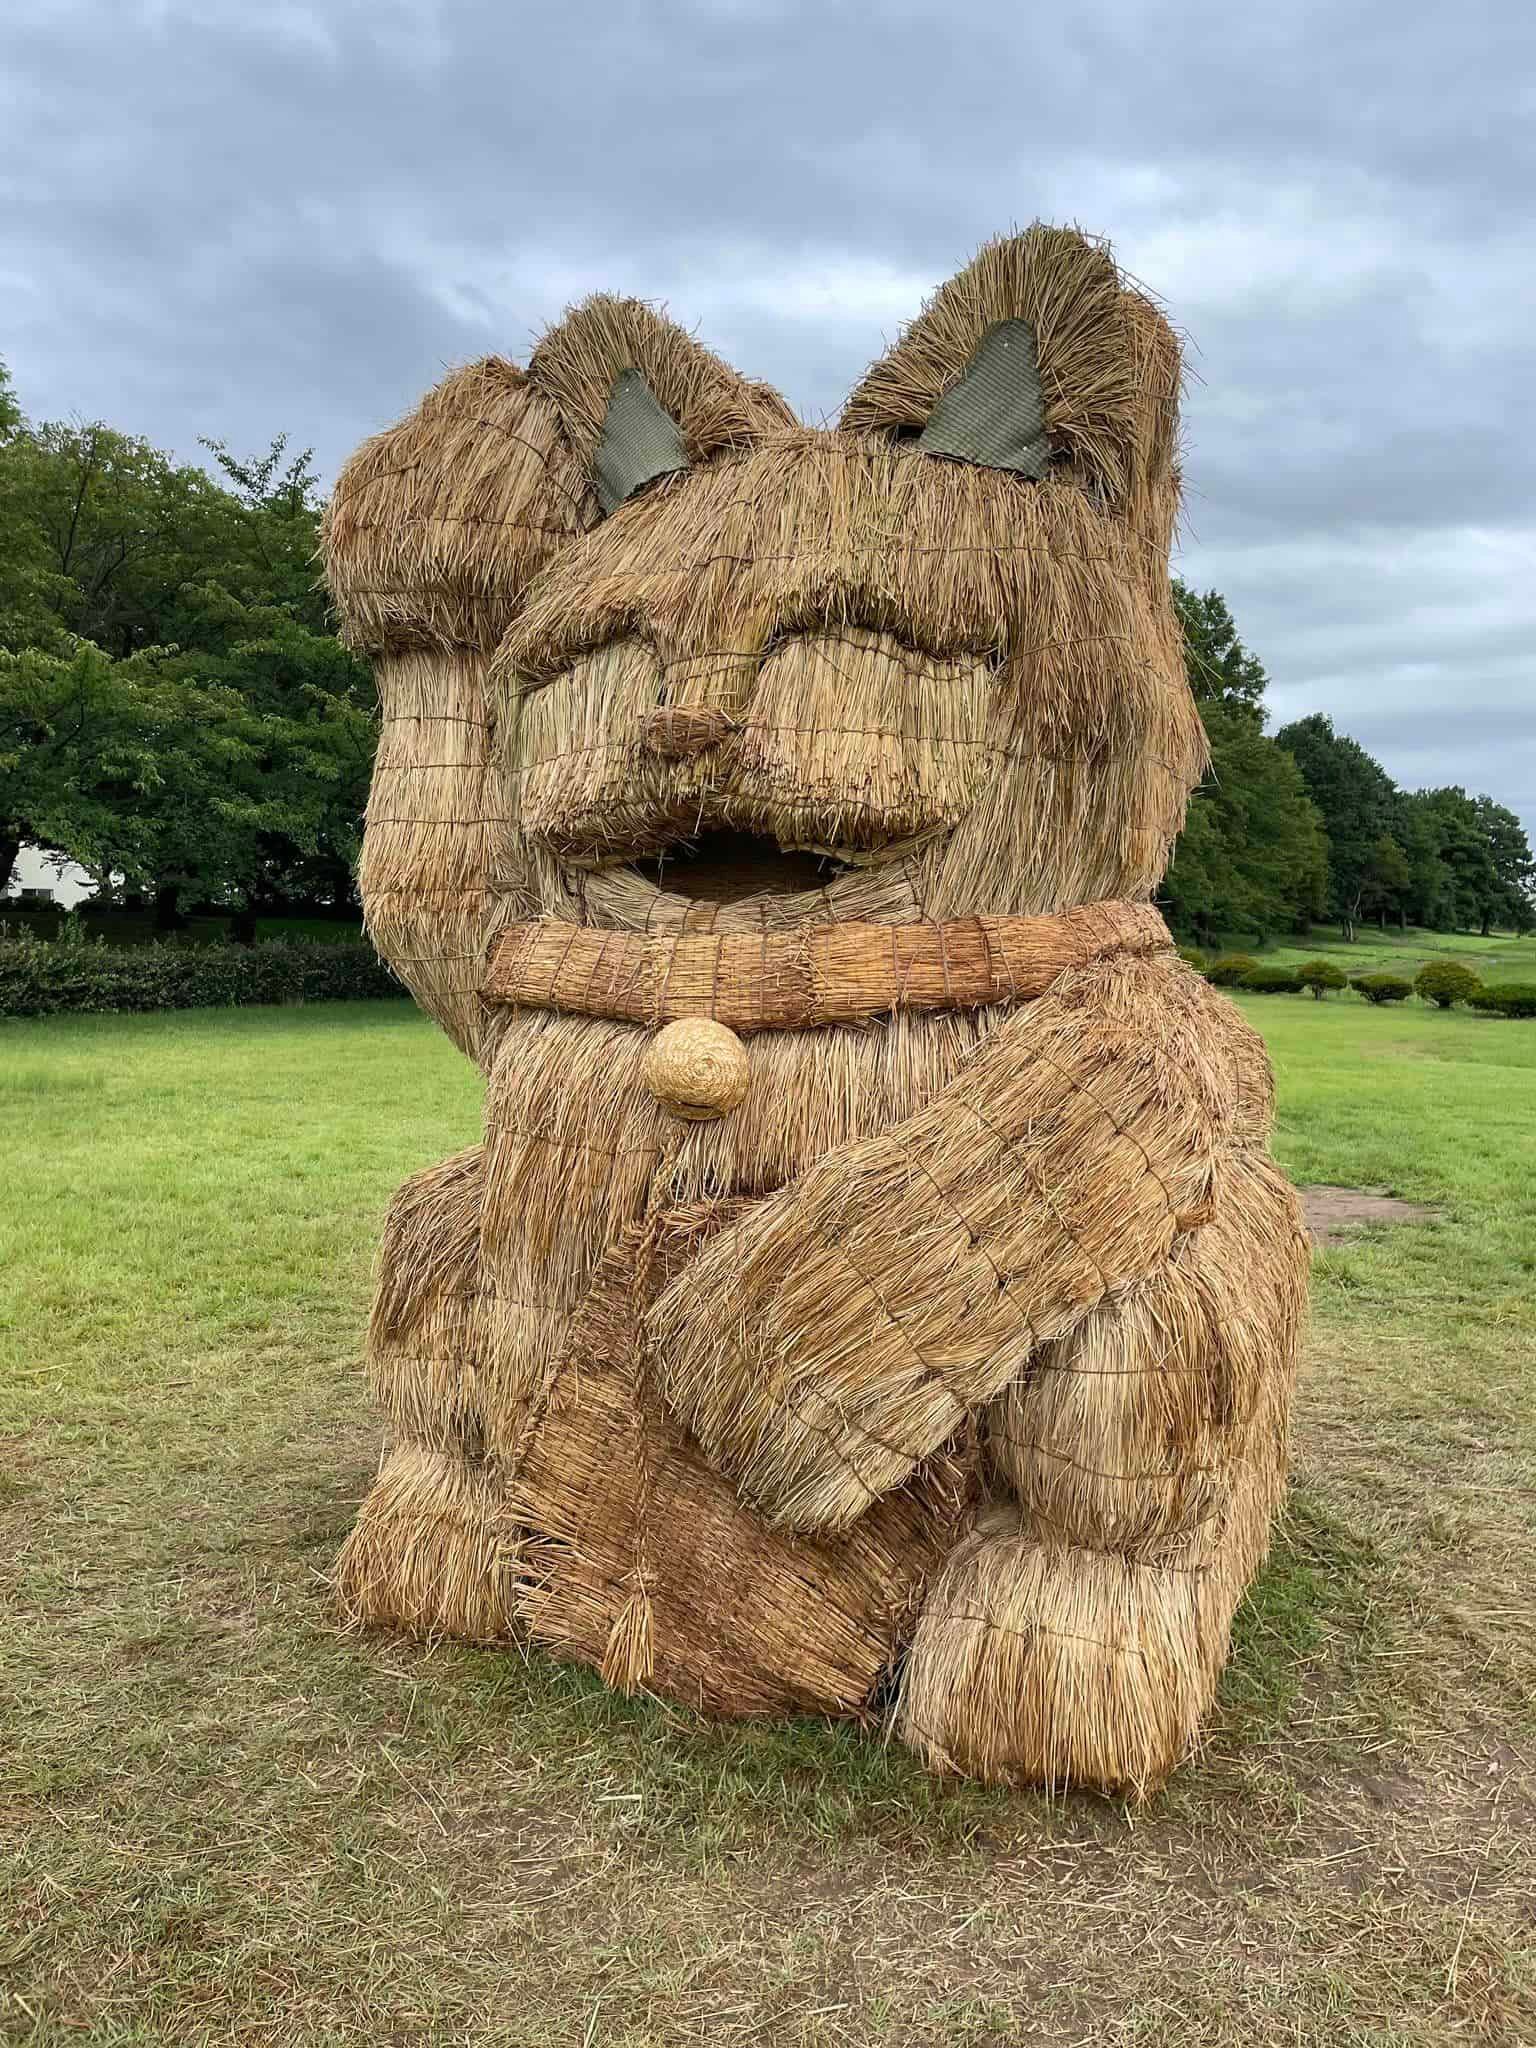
x,y
223,1821
1501,957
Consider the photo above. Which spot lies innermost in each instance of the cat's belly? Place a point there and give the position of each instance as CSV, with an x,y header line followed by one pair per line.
x,y
575,1140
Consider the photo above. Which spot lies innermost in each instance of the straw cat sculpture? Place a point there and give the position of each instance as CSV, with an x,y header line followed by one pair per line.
x,y
872,1295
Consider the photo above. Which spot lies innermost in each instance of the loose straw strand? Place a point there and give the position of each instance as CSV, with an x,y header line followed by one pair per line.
x,y
630,1657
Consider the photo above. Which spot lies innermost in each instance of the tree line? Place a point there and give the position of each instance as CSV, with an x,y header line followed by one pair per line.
x,y
176,712
1304,826
178,716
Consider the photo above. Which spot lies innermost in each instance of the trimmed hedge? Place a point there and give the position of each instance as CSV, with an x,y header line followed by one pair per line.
x,y
1230,969
77,975
1506,999
1441,981
1272,981
1384,988
1321,975
1446,982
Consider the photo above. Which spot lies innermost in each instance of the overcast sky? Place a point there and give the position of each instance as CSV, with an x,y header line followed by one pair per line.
x,y
238,216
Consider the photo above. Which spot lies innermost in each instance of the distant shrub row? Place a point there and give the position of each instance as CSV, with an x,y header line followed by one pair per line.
x,y
1441,982
53,977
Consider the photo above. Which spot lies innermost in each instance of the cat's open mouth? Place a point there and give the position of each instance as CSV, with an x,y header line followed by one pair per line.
x,y
725,879
724,866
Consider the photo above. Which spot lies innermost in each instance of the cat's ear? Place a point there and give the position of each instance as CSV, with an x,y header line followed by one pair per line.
x,y
438,525
1035,354
640,399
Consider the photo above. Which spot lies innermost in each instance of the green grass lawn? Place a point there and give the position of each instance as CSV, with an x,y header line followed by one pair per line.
x,y
1502,957
221,1820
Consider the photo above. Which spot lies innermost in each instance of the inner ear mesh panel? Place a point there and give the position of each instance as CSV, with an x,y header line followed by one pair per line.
x,y
639,442
995,415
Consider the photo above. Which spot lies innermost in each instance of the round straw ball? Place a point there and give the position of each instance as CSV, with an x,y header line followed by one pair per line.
x,y
696,1068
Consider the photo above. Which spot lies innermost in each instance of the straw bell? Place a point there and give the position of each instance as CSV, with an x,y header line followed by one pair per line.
x,y
696,1068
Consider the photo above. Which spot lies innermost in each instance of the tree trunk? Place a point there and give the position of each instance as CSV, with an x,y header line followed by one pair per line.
x,y
168,917
242,926
10,846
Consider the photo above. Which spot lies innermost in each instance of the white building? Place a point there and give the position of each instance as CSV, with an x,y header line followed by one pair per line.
x,y
45,876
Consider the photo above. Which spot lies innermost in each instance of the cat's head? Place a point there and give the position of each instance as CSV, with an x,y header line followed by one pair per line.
x,y
922,662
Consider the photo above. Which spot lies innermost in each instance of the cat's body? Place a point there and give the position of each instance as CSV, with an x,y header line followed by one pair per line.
x,y
963,1343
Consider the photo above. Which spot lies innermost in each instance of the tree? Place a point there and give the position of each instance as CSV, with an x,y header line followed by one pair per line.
x,y
1221,670
205,592
1356,798
1384,988
1385,880
1429,898
268,623
28,594
125,766
1319,976
1485,860
1509,900
1252,856
1445,982
120,528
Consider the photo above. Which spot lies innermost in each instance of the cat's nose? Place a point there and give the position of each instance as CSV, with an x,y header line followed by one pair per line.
x,y
675,732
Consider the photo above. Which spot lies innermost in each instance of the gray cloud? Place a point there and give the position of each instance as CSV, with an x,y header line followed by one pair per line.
x,y
230,219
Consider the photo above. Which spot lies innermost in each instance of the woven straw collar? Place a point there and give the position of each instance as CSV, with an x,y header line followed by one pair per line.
x,y
814,974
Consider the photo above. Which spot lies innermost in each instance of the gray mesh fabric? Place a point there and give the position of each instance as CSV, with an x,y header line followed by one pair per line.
x,y
995,414
639,442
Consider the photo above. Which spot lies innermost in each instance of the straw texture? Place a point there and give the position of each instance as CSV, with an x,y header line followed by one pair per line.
x,y
434,531
851,1323
829,974
911,660
822,785
734,1618
1078,1634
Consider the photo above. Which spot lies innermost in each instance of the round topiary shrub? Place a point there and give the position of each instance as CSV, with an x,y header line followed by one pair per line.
x,y
1444,982
1273,981
1506,999
1321,975
1384,988
1193,957
1228,969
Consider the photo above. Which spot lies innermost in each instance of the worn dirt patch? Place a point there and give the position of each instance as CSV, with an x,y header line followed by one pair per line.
x,y
1334,1214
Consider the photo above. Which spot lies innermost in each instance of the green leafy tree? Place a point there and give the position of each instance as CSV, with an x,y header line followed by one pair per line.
x,y
1384,988
205,592
1228,970
1509,900
1252,857
1430,897
1445,983
1319,976
1384,883
1221,669
1485,858
126,766
121,530
29,595
1356,798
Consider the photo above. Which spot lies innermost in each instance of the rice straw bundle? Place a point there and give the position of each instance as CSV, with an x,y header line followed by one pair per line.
x,y
634,1542
956,1340
1078,1635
